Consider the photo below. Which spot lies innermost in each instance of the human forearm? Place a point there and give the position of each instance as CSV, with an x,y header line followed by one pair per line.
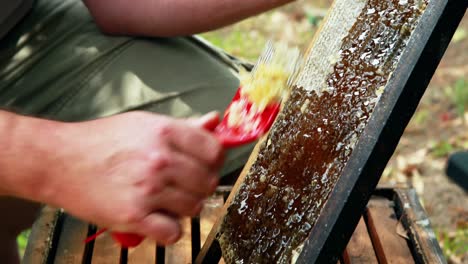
x,y
120,172
173,17
25,154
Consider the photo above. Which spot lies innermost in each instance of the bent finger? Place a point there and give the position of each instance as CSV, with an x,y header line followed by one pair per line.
x,y
197,143
186,173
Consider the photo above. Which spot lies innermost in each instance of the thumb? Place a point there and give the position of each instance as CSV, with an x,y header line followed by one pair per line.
x,y
208,121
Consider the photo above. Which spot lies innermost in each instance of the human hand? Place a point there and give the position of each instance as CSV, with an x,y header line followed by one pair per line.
x,y
137,172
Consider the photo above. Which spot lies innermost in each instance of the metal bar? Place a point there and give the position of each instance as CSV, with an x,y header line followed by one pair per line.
x,y
196,243
160,255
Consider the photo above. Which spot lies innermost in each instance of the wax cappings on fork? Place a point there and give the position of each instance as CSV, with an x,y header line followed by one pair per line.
x,y
258,99
271,77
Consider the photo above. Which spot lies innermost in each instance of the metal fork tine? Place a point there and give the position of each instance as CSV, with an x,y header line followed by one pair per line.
x,y
281,54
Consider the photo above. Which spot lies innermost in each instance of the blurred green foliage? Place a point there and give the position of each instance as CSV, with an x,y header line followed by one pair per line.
x,y
22,241
460,96
442,149
292,25
421,117
453,244
238,43
459,35
457,95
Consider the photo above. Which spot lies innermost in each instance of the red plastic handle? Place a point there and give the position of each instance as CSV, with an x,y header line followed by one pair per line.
x,y
127,240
